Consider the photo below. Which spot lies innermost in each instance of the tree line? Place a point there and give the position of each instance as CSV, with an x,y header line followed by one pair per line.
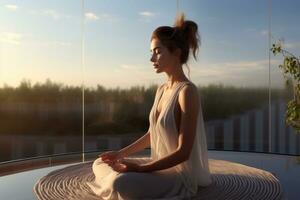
x,y
109,111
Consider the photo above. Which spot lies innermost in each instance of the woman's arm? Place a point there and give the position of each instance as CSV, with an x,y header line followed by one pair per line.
x,y
189,105
139,145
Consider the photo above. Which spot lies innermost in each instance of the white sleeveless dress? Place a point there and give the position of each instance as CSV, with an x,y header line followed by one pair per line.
x,y
178,182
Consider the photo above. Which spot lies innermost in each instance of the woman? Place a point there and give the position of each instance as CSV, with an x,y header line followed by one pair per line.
x,y
178,164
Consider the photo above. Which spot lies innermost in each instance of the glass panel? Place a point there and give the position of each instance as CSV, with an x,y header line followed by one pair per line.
x,y
284,28
232,72
119,77
40,106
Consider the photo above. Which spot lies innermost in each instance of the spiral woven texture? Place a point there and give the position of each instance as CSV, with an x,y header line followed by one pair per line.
x,y
230,181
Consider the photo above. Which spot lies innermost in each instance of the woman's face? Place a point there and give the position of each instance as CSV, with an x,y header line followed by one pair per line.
x,y
163,60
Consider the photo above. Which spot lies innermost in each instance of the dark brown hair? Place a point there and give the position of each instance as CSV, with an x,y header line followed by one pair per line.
x,y
183,35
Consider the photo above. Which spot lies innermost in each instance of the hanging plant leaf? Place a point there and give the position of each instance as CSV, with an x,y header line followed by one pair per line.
x,y
290,68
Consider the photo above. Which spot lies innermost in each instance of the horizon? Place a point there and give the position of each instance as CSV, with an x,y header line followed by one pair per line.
x,y
64,85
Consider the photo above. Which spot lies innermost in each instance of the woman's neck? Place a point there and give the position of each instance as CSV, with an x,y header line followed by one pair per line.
x,y
177,75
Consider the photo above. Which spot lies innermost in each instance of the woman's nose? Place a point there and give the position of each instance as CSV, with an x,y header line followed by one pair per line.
x,y
152,58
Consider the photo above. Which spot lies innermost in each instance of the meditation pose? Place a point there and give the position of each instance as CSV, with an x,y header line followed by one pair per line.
x,y
178,165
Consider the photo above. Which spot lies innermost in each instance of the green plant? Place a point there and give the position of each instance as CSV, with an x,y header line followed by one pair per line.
x,y
290,69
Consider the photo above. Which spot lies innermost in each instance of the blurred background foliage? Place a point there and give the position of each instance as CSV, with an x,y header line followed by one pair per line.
x,y
51,108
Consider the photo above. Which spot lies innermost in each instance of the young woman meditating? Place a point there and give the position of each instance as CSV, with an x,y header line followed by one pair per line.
x,y
178,164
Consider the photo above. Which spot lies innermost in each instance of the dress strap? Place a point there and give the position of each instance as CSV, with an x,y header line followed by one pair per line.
x,y
176,92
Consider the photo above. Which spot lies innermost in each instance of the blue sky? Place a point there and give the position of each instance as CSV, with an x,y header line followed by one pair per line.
x,y
42,39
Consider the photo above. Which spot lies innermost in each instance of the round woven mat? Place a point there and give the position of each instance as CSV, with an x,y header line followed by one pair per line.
x,y
231,181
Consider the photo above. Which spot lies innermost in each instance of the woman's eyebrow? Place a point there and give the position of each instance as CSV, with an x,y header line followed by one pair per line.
x,y
154,49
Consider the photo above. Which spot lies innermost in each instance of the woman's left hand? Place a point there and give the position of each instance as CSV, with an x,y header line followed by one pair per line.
x,y
125,166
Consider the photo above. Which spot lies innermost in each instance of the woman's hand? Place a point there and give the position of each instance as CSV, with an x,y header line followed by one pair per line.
x,y
115,160
125,166
111,156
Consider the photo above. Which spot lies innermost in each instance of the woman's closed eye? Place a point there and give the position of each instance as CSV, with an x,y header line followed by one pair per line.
x,y
155,54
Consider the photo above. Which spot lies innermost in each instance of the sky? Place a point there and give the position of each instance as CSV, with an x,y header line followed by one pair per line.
x,y
43,39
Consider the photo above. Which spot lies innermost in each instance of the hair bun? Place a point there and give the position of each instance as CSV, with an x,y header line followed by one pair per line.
x,y
189,31
179,21
183,24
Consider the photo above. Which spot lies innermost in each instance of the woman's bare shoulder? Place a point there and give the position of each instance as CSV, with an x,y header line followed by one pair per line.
x,y
189,94
189,89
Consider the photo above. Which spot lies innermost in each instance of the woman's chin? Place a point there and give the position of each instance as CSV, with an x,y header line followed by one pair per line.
x,y
157,70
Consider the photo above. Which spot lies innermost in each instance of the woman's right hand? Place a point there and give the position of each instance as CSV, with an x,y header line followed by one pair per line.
x,y
111,156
